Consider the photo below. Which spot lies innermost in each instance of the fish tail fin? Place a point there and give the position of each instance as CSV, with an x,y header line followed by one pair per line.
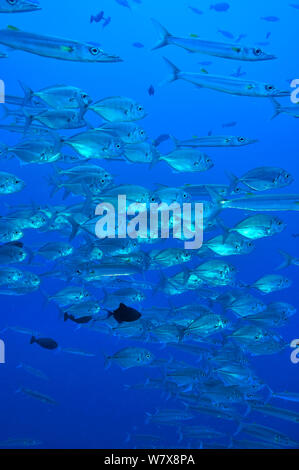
x,y
53,181
65,317
223,227
175,141
75,228
156,158
164,35
277,108
45,299
231,443
32,340
148,417
214,195
4,112
174,72
28,120
107,362
30,255
161,283
248,410
270,395
28,93
233,180
287,260
239,429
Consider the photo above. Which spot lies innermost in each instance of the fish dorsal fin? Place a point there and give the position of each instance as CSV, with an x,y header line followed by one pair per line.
x,y
122,305
13,28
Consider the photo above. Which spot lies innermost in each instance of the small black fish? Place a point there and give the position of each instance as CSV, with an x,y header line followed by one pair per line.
x,y
151,90
97,18
46,343
272,19
79,320
125,314
139,45
229,124
107,21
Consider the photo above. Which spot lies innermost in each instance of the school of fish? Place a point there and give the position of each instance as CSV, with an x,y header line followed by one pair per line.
x,y
107,280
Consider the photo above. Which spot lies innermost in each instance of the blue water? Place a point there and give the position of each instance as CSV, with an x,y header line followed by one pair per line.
x,y
94,410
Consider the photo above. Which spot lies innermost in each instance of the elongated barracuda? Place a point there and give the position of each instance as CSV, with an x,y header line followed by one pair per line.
x,y
18,6
231,85
56,48
264,202
213,48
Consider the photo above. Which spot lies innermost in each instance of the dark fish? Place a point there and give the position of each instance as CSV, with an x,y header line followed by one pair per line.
x,y
79,320
151,90
139,45
229,124
268,35
125,314
159,140
242,36
107,21
238,73
220,6
195,10
46,343
99,17
226,34
272,19
123,3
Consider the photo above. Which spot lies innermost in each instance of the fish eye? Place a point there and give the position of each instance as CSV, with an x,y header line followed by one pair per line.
x,y
139,108
94,50
269,87
141,132
117,146
12,2
241,139
258,51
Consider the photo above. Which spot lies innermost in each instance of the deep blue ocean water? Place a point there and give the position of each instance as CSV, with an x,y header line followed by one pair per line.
x,y
94,409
